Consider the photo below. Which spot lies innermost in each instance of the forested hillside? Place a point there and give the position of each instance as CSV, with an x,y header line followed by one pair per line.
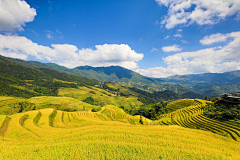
x,y
22,80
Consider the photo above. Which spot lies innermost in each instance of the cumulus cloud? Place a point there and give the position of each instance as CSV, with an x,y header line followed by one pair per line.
x,y
174,48
14,14
215,59
204,12
69,55
219,37
160,72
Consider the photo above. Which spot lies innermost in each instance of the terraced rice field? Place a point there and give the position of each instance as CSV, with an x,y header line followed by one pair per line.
x,y
113,134
99,95
192,117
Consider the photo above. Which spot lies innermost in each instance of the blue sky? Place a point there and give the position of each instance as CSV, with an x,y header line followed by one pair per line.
x,y
156,38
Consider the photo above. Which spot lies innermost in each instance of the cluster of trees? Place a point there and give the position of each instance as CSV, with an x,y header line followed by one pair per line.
x,y
221,110
91,101
208,98
151,111
7,90
96,109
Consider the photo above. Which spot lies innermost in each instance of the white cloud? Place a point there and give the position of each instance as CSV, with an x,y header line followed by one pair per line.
x,y
14,14
184,41
49,36
205,12
159,72
174,48
214,60
219,37
61,36
166,37
58,31
237,17
177,35
69,55
154,49
179,30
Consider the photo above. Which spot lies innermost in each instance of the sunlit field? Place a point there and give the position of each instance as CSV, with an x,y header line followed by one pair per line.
x,y
108,134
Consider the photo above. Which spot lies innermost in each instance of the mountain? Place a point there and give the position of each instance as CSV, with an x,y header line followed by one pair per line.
x,y
227,78
21,79
116,74
211,84
193,85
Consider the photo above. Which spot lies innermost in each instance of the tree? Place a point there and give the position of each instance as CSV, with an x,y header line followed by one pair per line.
x,y
141,121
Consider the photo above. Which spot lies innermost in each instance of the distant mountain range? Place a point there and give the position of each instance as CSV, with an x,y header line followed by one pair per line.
x,y
20,79
211,84
188,86
117,75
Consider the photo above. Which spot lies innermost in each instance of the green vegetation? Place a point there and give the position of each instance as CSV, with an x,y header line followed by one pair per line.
x,y
96,109
51,117
150,111
223,111
21,80
91,101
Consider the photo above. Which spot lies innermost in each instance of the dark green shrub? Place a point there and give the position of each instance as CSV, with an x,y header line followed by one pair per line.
x,y
96,109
